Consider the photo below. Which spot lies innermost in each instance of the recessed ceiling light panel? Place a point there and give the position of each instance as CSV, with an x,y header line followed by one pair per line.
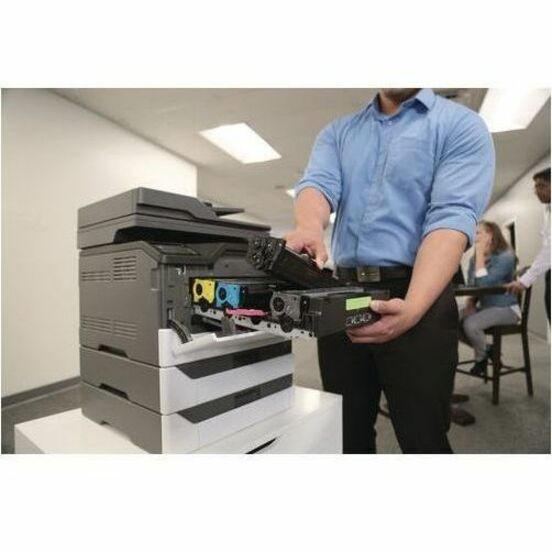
x,y
506,109
241,142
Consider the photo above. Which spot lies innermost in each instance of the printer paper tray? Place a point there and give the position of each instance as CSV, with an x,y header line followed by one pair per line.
x,y
173,352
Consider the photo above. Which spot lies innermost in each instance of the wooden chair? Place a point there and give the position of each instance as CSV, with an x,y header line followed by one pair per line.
x,y
499,369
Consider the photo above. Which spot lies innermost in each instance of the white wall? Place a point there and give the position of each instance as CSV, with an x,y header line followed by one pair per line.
x,y
519,203
57,157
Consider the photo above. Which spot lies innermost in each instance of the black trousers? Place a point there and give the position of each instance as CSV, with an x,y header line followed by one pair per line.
x,y
547,294
415,371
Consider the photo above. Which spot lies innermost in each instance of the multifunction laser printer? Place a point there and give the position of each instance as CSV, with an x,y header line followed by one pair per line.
x,y
149,366
186,318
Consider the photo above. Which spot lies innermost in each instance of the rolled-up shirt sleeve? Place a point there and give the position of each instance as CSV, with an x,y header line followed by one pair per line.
x,y
323,171
463,180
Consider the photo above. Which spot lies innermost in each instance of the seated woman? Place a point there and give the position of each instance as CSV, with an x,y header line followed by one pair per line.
x,y
493,264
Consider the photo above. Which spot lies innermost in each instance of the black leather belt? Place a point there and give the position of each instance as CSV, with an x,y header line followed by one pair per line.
x,y
373,274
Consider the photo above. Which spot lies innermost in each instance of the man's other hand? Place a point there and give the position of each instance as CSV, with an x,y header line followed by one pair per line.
x,y
310,241
397,317
515,287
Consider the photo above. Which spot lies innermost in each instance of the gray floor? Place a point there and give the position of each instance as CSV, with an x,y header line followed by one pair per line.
x,y
519,424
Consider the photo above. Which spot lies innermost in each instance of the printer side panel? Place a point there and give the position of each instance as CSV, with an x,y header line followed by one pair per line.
x,y
120,303
128,292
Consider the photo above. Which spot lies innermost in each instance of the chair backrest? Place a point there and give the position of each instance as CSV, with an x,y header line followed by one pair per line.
x,y
526,303
524,300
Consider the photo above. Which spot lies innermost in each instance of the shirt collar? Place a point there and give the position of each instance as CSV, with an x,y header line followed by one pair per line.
x,y
425,97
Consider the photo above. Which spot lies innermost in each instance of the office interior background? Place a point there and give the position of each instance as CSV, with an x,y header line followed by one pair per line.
x,y
65,148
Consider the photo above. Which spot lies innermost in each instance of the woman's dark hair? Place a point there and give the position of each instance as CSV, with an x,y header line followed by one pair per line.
x,y
498,241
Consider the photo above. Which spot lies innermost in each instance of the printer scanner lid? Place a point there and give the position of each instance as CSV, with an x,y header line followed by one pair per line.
x,y
143,212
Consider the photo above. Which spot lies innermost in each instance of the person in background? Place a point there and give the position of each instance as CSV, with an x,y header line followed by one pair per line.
x,y
493,264
541,264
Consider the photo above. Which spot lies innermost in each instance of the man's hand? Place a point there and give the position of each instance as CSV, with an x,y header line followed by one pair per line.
x,y
397,317
312,213
515,287
443,248
309,240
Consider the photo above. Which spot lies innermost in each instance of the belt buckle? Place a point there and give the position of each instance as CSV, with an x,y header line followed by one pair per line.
x,y
368,274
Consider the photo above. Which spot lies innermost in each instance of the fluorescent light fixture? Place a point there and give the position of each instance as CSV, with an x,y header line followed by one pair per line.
x,y
512,108
241,142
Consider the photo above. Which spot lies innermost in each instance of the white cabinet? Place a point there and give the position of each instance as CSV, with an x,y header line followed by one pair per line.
x,y
311,425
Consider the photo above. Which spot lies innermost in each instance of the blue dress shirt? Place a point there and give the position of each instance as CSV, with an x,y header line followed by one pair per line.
x,y
393,179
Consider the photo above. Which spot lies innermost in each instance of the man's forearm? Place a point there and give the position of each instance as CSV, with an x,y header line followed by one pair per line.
x,y
539,266
436,263
312,214
312,210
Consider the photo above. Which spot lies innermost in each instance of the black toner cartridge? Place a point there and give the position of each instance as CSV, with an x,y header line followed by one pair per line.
x,y
321,312
273,257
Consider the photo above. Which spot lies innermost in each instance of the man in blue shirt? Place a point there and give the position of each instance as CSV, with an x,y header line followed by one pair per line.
x,y
408,177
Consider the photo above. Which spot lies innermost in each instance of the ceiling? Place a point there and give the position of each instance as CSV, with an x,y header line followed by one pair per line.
x,y
289,119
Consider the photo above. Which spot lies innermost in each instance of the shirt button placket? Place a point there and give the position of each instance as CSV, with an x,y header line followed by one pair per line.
x,y
382,156
375,193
